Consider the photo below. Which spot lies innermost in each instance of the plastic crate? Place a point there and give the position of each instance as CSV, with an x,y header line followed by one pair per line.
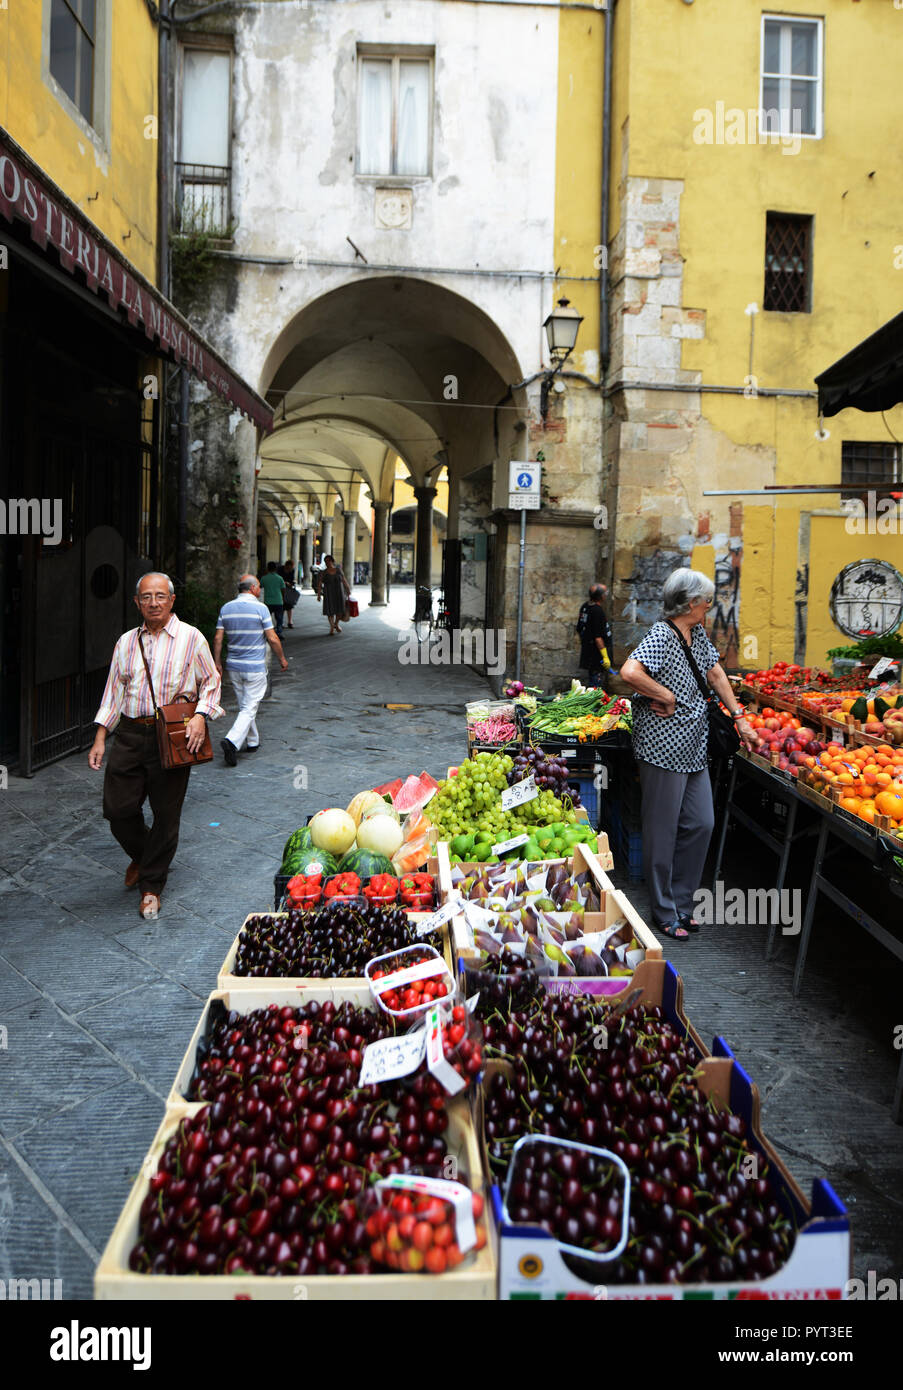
x,y
280,882
589,796
630,853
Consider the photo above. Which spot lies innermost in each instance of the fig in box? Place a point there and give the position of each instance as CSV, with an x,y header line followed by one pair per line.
x,y
638,1082
568,923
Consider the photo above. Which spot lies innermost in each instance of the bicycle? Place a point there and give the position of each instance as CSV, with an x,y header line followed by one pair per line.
x,y
427,623
423,613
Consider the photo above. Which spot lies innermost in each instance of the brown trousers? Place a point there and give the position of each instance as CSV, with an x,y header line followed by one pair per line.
x,y
133,775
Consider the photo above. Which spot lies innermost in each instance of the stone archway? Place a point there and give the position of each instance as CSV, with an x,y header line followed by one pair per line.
x,y
380,369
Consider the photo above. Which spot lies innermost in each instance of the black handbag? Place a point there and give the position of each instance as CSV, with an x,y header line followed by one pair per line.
x,y
723,737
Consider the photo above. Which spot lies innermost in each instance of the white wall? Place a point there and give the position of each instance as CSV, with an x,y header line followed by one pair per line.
x,y
490,201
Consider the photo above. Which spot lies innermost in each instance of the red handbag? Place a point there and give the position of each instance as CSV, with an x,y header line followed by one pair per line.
x,y
353,610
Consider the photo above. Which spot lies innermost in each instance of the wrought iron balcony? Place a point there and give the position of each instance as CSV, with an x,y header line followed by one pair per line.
x,y
203,199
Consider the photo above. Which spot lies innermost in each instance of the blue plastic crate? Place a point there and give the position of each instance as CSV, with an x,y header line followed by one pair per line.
x,y
630,855
589,795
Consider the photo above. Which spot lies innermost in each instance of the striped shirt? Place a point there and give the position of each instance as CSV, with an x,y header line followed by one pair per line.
x,y
245,619
181,664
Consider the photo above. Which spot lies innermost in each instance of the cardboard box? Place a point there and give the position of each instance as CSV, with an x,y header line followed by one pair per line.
x,y
474,1279
531,1265
225,980
614,904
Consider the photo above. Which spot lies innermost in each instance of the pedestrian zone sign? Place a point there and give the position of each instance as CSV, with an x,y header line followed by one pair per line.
x,y
523,485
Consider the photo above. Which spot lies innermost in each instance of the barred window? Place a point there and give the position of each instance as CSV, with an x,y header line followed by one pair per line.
x,y
870,468
788,263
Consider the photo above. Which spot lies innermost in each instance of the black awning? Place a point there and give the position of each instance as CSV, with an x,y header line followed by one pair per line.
x,y
870,377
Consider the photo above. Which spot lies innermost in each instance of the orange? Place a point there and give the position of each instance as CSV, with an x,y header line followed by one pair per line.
x,y
867,812
889,804
850,803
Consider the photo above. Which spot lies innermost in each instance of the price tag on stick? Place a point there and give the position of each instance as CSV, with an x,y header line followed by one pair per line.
x,y
880,666
519,793
504,845
439,917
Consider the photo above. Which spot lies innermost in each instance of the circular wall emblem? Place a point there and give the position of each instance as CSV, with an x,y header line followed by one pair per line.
x,y
867,599
530,1266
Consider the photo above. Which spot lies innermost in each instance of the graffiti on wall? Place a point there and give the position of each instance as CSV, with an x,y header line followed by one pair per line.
x,y
801,604
725,611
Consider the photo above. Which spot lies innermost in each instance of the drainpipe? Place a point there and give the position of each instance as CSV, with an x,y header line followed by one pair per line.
x,y
164,148
182,531
604,328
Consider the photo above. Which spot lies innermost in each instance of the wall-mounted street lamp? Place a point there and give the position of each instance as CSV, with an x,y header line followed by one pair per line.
x,y
562,327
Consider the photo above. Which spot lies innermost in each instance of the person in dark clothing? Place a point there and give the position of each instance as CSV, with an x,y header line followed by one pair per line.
x,y
595,637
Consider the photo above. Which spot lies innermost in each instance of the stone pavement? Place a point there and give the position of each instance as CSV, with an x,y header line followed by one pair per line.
x,y
98,1006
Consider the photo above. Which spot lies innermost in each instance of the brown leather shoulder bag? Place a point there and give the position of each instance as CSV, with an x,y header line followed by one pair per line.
x,y
171,724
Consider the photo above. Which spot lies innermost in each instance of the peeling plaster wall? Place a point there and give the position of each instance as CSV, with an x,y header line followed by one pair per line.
x,y
295,193
665,451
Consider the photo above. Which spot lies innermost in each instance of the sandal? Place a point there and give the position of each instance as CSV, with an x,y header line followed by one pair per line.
x,y
687,920
674,931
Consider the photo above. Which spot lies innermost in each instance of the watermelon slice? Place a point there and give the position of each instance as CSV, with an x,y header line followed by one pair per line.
x,y
389,789
415,793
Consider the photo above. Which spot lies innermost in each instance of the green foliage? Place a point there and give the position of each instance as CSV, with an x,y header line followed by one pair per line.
x,y
891,645
193,260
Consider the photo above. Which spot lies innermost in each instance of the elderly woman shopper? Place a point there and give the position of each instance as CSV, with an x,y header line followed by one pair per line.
x,y
336,593
670,734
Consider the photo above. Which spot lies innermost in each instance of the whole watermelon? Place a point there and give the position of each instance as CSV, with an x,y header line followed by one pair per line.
x,y
298,840
365,864
304,860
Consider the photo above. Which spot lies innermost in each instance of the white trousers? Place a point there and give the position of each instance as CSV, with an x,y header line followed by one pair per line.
x,y
249,689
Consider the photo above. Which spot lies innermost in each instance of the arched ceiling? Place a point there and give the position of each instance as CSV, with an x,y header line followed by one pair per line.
x,y
363,373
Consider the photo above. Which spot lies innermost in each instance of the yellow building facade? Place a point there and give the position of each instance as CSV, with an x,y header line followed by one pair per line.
x,y
743,259
105,161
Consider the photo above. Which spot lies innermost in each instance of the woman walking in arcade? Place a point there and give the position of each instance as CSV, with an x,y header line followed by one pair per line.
x,y
336,592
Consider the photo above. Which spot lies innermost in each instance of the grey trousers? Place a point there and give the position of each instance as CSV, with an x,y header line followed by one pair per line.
x,y
678,819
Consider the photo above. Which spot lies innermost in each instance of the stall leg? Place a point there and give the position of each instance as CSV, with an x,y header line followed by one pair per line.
x,y
810,908
724,823
782,869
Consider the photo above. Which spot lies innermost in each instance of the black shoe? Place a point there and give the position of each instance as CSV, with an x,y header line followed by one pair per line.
x,y
249,749
230,753
688,921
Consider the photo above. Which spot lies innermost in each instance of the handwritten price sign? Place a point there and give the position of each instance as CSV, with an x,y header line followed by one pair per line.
x,y
523,791
390,1058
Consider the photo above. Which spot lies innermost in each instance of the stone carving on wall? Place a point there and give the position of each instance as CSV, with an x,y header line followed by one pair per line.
x,y
393,208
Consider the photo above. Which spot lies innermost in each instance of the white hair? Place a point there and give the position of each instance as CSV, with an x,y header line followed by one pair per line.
x,y
682,589
153,574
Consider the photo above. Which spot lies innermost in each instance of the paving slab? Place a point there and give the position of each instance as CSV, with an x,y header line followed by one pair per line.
x,y
148,1030
48,1063
121,1123
35,1242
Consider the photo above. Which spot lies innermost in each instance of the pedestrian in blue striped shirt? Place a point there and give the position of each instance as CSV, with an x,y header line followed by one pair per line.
x,y
247,625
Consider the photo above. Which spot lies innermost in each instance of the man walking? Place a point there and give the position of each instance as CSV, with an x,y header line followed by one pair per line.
x,y
274,594
248,625
595,637
180,663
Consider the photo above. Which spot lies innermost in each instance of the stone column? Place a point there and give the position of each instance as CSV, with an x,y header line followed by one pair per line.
x,y
380,563
283,541
326,537
349,546
308,553
424,545
296,551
